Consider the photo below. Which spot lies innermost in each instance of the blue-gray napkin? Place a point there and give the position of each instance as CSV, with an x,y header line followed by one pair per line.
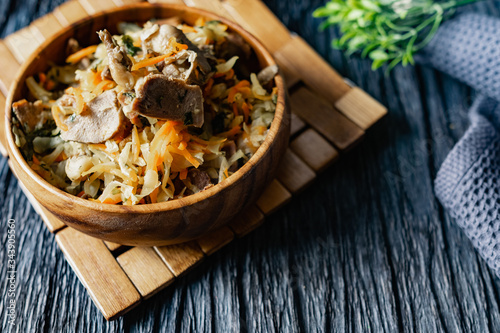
x,y
468,48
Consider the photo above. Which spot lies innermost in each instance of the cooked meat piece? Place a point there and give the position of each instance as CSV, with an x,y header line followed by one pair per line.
x,y
72,46
119,62
106,73
161,97
199,178
234,45
267,74
100,121
31,115
230,149
183,68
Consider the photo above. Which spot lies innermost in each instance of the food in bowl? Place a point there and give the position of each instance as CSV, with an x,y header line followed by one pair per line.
x,y
156,113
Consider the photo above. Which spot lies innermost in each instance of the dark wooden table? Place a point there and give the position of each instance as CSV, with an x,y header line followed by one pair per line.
x,y
367,248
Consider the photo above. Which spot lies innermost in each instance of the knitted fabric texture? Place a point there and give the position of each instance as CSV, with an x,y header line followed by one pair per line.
x,y
468,48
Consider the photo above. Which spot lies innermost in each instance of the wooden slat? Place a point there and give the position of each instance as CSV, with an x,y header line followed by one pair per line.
x,y
113,246
274,197
51,222
319,113
179,2
313,149
298,57
69,13
45,27
3,139
214,6
126,2
247,221
95,6
291,77
255,17
108,285
294,173
181,257
146,270
361,108
7,74
22,44
214,241
296,125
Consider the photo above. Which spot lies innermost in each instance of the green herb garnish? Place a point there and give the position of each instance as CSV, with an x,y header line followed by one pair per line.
x,y
387,31
128,42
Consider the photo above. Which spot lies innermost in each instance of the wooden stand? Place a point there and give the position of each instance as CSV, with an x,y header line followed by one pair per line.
x,y
328,117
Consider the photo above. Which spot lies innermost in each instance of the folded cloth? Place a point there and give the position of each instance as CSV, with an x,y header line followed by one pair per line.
x,y
467,47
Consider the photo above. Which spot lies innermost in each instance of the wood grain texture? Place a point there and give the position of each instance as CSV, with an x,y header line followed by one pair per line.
x,y
361,108
215,240
318,158
45,27
180,258
214,6
7,75
294,173
318,113
113,246
273,198
247,221
366,249
22,44
146,270
296,124
95,6
97,269
70,12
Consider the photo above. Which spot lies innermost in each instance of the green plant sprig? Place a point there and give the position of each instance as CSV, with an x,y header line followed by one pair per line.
x,y
387,31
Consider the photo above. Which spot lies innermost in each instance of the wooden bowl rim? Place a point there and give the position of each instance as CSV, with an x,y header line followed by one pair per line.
x,y
276,124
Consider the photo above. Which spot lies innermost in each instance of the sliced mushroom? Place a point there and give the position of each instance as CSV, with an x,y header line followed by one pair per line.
x,y
31,115
119,62
167,98
100,121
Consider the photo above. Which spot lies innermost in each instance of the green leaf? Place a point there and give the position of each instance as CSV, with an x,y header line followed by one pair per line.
x,y
378,55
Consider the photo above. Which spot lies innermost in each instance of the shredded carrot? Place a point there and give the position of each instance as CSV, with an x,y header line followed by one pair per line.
x,y
154,195
232,132
62,156
226,173
142,201
42,77
187,28
49,85
183,174
150,62
200,22
234,90
102,86
35,159
246,111
80,194
182,145
235,110
117,198
229,74
79,55
80,103
55,114
98,146
187,155
208,87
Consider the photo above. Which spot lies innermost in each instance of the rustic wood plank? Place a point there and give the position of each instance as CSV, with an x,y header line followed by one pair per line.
x,y
214,6
215,240
255,17
247,221
51,222
361,108
70,12
146,270
180,257
319,113
296,124
108,285
298,57
95,6
3,139
274,197
313,149
7,74
179,2
22,44
45,27
113,246
291,77
294,173
126,2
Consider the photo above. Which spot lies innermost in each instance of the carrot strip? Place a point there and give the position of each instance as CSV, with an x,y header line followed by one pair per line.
x,y
117,198
149,62
55,114
235,110
36,160
79,55
102,86
234,90
183,174
188,28
246,111
208,87
154,195
232,132
80,194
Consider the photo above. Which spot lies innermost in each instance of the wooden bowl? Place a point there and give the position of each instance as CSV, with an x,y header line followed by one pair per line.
x,y
160,223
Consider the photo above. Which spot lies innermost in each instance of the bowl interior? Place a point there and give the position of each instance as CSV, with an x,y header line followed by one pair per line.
x,y
52,51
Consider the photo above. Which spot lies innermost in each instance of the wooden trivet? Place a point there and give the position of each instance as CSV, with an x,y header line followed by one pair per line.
x,y
328,117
